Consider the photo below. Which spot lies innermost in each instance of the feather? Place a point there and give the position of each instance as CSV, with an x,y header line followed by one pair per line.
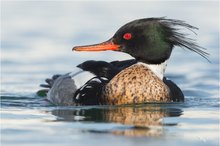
x,y
181,39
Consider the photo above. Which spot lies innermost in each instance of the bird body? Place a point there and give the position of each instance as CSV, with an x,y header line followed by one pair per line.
x,y
140,80
136,84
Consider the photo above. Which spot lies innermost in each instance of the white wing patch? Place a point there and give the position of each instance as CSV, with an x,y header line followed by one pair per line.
x,y
80,77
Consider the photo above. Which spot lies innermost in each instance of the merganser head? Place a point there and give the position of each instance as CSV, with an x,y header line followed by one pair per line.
x,y
149,40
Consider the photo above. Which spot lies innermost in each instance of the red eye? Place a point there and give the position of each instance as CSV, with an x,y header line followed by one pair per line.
x,y
127,36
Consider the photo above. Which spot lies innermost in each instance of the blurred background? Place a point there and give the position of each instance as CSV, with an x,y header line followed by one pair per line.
x,y
37,36
36,42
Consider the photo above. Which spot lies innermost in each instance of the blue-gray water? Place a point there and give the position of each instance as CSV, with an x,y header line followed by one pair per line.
x,y
36,42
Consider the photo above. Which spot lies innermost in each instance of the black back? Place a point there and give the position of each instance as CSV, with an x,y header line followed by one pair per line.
x,y
106,69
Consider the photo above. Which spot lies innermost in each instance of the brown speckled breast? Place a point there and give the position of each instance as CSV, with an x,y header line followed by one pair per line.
x,y
135,84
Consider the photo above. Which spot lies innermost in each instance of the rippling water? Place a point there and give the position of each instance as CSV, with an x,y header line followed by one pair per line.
x,y
37,38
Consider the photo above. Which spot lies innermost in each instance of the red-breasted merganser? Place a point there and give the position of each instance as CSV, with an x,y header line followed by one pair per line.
x,y
141,80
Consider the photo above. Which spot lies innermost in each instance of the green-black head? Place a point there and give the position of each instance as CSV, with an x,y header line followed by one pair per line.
x,y
149,40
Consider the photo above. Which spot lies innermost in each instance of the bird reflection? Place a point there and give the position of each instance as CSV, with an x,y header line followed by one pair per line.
x,y
141,120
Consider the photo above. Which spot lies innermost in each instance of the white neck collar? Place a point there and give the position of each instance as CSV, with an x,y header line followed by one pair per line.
x,y
157,69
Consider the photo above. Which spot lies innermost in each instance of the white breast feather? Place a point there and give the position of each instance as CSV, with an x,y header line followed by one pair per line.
x,y
157,69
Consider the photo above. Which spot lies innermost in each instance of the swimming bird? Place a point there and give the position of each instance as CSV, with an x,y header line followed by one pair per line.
x,y
140,80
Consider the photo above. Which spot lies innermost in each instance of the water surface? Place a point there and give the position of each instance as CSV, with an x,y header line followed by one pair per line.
x,y
37,38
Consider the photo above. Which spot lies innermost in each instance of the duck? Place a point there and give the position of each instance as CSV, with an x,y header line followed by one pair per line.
x,y
150,42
